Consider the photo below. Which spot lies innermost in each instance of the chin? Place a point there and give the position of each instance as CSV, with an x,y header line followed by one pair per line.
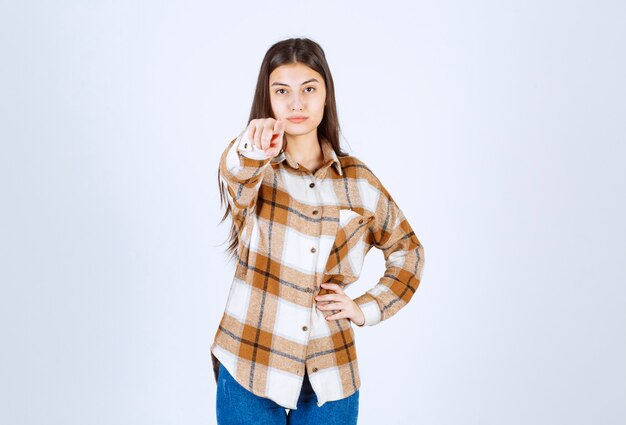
x,y
298,131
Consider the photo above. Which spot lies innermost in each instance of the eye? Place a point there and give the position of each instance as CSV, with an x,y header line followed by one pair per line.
x,y
278,90
312,89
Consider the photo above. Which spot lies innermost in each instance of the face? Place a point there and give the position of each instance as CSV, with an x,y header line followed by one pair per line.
x,y
297,91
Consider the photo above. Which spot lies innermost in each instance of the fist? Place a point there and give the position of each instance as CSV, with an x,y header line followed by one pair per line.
x,y
267,134
339,300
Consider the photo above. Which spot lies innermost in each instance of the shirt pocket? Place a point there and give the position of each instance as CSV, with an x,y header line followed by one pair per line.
x,y
348,250
346,215
353,223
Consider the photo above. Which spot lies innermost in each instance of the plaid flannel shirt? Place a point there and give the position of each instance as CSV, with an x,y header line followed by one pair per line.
x,y
298,229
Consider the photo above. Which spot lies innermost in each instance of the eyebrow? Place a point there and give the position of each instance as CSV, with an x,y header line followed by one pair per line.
x,y
306,82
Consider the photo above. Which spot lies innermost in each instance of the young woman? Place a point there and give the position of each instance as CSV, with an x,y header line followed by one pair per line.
x,y
304,215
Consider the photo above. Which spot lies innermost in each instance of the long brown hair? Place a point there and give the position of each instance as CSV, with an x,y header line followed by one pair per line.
x,y
286,52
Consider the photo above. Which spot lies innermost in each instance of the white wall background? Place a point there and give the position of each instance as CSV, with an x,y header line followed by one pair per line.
x,y
499,128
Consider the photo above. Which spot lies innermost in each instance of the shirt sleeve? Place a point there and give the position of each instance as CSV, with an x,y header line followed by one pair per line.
x,y
404,262
249,149
242,166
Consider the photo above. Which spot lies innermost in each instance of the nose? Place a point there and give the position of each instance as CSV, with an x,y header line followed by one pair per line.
x,y
296,104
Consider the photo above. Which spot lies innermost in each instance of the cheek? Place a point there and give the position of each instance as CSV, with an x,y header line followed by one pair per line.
x,y
319,107
279,104
320,102
278,107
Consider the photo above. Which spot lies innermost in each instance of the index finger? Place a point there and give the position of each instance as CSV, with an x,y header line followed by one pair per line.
x,y
332,286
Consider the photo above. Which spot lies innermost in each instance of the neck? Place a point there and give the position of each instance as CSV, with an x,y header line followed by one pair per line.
x,y
304,148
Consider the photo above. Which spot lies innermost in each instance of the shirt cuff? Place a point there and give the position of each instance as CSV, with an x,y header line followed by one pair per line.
x,y
248,149
370,309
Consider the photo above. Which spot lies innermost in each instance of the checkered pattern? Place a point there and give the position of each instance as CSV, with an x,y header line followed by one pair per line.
x,y
298,229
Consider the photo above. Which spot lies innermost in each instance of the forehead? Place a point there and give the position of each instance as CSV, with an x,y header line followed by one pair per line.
x,y
294,74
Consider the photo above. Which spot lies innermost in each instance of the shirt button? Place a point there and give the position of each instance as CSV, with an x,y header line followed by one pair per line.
x,y
313,249
305,328
314,369
314,212
312,185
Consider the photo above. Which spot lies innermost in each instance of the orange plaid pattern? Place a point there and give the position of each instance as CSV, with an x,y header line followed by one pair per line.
x,y
298,229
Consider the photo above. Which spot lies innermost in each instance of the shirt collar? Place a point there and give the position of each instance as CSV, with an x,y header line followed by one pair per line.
x,y
329,154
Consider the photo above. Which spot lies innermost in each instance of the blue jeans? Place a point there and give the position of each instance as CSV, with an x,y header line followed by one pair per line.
x,y
235,405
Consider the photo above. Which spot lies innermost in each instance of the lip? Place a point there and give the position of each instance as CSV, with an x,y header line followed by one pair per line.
x,y
297,119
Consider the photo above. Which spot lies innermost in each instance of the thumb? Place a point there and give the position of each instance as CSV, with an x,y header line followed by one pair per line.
x,y
279,127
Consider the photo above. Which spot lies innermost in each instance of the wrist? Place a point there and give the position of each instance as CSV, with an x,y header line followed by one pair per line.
x,y
359,320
